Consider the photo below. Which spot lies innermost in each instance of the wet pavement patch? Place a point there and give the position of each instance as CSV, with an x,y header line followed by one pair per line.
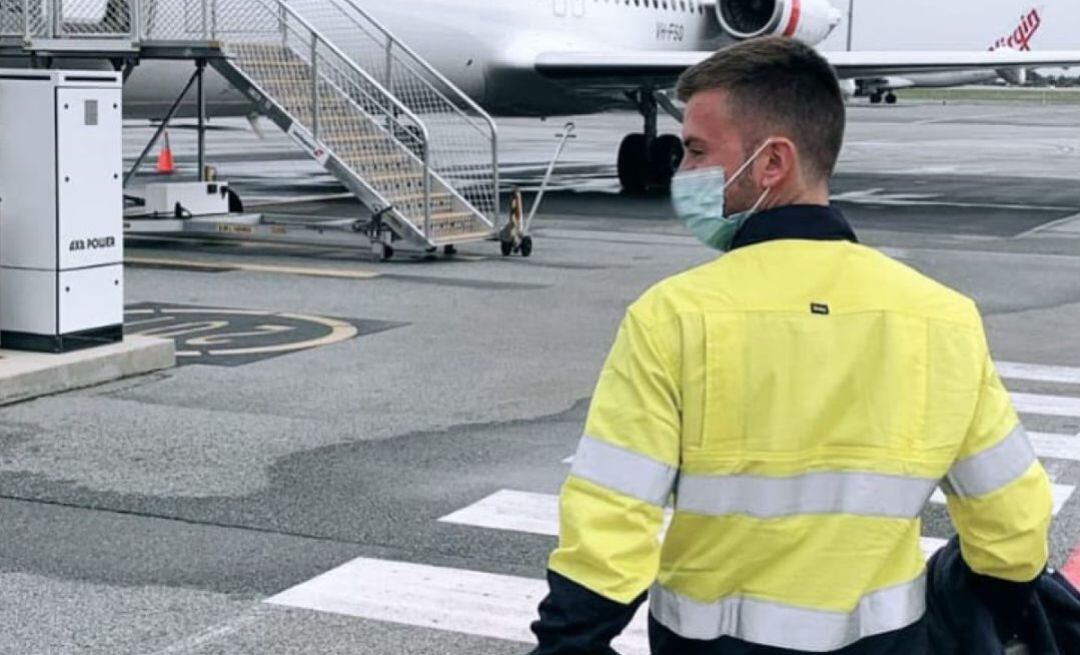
x,y
220,336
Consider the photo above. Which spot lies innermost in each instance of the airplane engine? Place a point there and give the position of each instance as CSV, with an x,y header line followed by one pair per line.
x,y
810,21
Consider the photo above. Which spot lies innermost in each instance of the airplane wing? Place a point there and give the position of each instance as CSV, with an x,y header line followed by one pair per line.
x,y
635,67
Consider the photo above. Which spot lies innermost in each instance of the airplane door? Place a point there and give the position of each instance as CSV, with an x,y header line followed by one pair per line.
x,y
579,7
560,7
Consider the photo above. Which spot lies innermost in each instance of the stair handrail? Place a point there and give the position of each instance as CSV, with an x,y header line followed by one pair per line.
x,y
392,40
353,67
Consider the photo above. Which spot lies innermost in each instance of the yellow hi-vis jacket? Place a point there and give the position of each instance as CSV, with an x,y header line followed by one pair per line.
x,y
796,403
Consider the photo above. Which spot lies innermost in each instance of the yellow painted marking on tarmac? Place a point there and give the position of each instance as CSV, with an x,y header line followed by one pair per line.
x,y
339,331
339,273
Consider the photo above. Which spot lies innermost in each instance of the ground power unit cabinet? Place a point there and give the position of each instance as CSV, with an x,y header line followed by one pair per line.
x,y
61,230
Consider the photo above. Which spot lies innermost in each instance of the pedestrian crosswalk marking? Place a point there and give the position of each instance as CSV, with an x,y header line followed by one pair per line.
x,y
1031,403
1060,494
470,602
537,513
503,606
1056,446
1039,372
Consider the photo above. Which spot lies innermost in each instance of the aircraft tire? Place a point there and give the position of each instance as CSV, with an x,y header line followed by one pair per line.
x,y
664,159
633,164
890,99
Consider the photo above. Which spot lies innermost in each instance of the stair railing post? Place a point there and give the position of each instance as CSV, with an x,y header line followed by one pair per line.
x,y
136,21
315,86
200,68
205,21
495,176
283,17
56,20
389,64
213,19
26,20
427,184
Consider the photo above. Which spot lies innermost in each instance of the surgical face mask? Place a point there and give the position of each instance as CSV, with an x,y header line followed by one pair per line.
x,y
698,198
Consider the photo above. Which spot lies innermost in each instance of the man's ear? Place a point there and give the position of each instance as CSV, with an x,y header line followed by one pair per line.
x,y
779,162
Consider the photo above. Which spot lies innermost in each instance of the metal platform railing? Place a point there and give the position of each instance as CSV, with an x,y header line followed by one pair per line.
x,y
463,137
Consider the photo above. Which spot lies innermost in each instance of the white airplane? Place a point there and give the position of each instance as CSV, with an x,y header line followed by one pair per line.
x,y
561,57
880,89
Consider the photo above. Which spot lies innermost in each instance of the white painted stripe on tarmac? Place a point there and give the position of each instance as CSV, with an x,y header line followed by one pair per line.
x,y
931,545
468,602
515,511
1045,405
1056,446
456,600
533,513
1039,372
1061,494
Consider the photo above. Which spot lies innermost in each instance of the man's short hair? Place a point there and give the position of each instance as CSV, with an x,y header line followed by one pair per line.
x,y
776,83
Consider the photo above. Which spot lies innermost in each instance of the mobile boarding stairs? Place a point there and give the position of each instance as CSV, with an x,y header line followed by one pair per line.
x,y
414,149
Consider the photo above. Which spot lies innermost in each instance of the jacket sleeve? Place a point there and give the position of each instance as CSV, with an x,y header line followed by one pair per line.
x,y
612,504
998,493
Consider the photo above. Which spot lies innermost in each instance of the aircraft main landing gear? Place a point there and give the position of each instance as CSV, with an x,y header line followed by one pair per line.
x,y
648,161
888,97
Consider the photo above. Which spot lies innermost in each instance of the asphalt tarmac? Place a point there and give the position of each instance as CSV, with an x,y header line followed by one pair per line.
x,y
361,457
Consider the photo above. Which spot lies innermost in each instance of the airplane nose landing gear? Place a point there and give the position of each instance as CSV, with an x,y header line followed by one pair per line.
x,y
647,161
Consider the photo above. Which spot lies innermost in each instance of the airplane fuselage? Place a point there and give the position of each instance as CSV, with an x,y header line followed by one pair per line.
x,y
488,49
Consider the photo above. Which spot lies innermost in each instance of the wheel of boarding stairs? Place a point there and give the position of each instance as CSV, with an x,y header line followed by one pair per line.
x,y
450,250
382,251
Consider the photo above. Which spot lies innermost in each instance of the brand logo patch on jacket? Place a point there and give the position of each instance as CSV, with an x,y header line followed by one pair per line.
x,y
819,308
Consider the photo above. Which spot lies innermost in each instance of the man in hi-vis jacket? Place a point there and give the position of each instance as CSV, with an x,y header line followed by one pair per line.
x,y
795,403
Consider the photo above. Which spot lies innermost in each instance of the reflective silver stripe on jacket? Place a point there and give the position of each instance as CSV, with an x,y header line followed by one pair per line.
x,y
786,626
622,470
993,468
864,494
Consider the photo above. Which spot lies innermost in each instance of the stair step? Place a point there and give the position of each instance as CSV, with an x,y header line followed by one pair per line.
x,y
274,63
366,140
399,176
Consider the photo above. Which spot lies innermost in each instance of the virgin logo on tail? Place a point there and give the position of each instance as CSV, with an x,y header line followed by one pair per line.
x,y
1021,37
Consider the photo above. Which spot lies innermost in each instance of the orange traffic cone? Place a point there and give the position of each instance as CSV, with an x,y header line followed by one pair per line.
x,y
165,163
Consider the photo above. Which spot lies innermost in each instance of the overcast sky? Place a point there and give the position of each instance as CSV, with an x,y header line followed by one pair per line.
x,y
953,24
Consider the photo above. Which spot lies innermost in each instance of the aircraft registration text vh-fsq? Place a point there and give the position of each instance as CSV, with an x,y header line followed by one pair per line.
x,y
558,57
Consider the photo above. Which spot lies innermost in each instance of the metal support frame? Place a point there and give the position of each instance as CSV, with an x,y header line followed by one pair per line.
x,y
645,99
668,106
567,133
161,129
200,74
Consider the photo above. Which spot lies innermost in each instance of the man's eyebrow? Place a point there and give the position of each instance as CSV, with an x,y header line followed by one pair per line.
x,y
693,141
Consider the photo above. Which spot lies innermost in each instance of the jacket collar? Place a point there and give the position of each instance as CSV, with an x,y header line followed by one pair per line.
x,y
811,222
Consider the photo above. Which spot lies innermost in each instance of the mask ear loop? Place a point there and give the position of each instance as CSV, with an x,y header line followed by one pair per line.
x,y
749,161
760,201
742,169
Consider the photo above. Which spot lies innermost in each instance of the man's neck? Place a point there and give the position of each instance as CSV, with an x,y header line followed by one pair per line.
x,y
818,195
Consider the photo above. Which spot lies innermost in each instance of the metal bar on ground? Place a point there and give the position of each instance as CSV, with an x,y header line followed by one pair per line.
x,y
568,133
